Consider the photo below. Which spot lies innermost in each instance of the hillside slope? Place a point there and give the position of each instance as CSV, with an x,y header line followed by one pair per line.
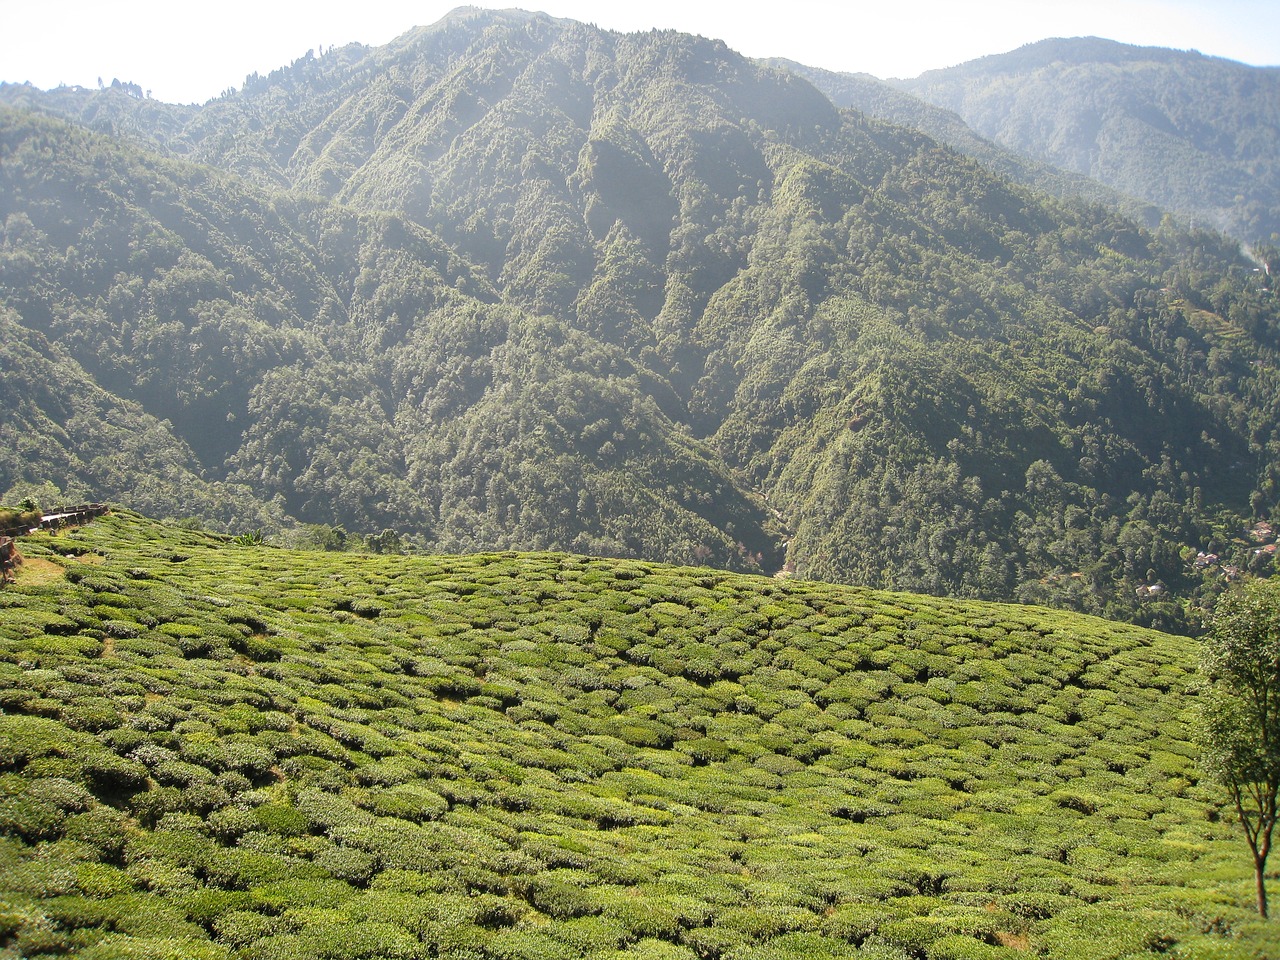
x,y
538,285
213,750
296,358
1192,134
885,101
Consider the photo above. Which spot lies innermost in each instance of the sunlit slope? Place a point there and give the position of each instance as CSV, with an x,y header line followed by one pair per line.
x,y
227,751
512,282
1191,133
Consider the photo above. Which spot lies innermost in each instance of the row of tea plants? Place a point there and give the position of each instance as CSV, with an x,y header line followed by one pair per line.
x,y
212,749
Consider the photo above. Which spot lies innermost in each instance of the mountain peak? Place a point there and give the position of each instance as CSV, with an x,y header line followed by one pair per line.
x,y
1078,51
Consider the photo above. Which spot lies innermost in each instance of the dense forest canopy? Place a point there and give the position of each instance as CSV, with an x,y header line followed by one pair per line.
x,y
515,282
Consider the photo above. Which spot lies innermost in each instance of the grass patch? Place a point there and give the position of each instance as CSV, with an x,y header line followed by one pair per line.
x,y
37,572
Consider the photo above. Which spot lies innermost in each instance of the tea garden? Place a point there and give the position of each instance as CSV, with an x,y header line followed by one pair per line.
x,y
212,749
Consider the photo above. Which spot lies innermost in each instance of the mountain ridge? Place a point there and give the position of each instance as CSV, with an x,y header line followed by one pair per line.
x,y
640,295
1087,49
882,99
1189,132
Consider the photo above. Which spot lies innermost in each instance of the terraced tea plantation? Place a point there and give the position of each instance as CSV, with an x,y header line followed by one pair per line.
x,y
212,750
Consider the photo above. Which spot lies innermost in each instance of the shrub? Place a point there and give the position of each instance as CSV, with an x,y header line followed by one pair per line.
x,y
591,934
410,801
40,938
1104,935
348,941
560,899
765,923
959,947
206,905
346,863
229,823
653,949
101,828
282,818
704,750
101,880
180,773
528,945
150,805
810,946
30,818
124,947
238,869
240,928
855,922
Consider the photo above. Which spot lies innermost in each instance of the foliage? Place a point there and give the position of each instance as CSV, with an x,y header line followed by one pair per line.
x,y
216,751
1193,134
512,282
1241,714
884,100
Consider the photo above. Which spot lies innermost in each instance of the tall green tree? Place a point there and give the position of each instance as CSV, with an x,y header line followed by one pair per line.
x,y
1240,732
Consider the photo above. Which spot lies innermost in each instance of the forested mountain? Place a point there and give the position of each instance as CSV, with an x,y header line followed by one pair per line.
x,y
1193,134
214,751
882,99
266,334
518,282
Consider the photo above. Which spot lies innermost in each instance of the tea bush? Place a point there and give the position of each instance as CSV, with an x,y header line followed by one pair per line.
x,y
542,755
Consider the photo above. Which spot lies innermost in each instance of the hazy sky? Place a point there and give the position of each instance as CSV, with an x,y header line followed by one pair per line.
x,y
186,52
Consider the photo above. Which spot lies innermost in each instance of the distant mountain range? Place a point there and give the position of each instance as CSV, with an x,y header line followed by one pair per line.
x,y
516,282
886,101
1196,135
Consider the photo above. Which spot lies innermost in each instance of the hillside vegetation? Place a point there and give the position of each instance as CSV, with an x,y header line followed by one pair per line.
x,y
1193,134
886,101
512,282
212,750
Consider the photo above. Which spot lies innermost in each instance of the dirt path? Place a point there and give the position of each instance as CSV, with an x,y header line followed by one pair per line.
x,y
36,572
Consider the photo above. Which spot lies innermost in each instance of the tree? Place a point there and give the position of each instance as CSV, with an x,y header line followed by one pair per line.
x,y
1240,729
388,541
322,536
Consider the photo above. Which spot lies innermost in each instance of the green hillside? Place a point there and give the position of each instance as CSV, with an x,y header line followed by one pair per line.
x,y
1193,134
885,101
299,360
210,749
511,282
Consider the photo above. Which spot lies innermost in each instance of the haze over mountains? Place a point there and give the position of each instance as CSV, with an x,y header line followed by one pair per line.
x,y
1192,134
511,281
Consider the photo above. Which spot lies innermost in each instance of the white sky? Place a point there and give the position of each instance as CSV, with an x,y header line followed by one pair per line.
x,y
189,52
